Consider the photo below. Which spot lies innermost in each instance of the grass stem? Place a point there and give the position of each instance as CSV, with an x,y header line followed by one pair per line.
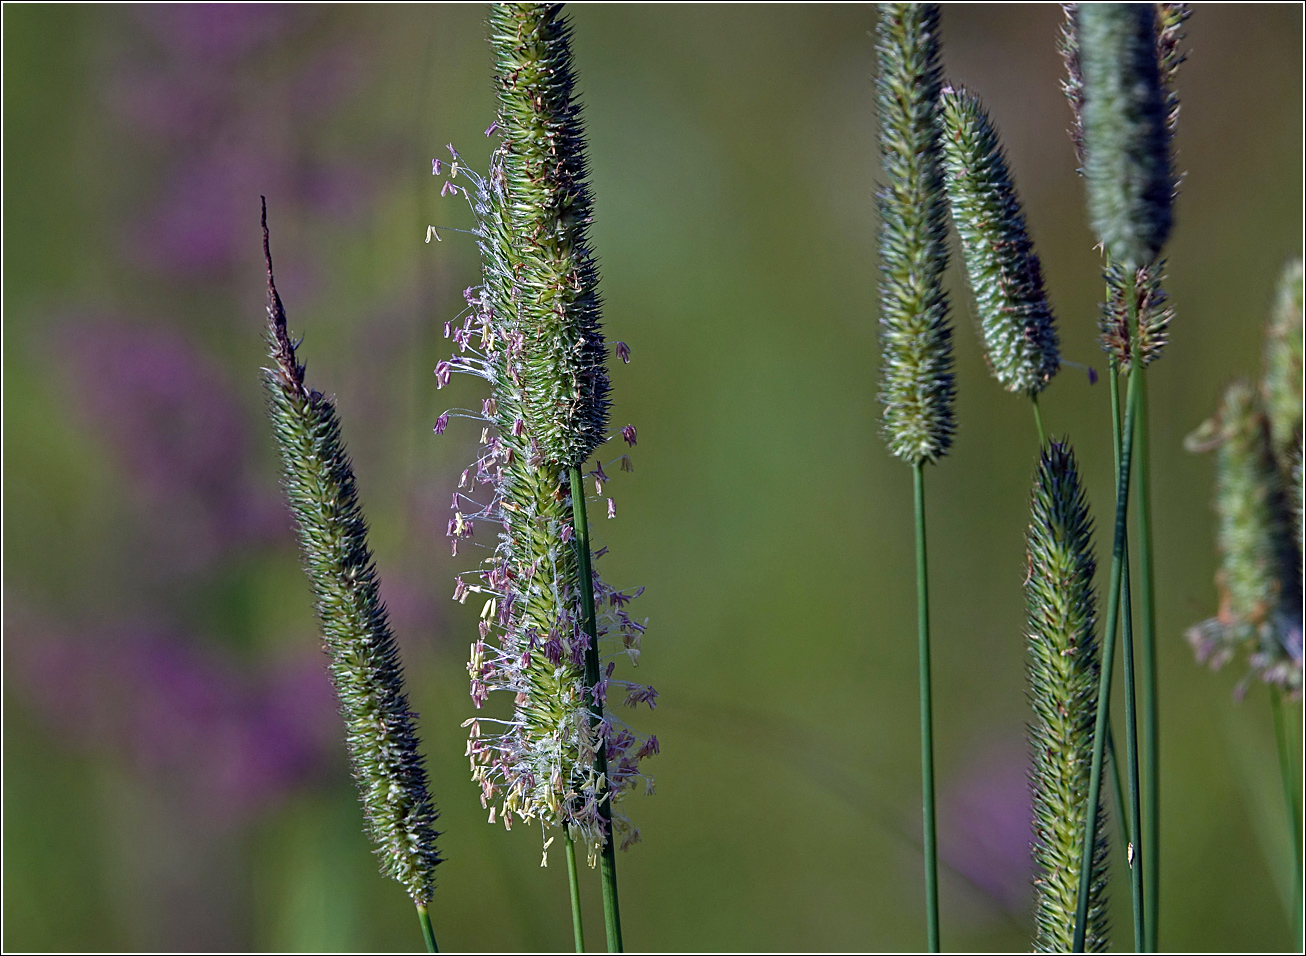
x,y
1118,545
1289,774
428,934
927,717
1133,852
573,883
1151,718
608,859
1038,422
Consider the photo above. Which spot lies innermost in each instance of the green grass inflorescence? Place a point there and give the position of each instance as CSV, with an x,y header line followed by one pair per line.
x,y
1063,672
1016,322
363,656
916,386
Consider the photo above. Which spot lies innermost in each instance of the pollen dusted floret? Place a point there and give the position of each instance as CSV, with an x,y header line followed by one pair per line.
x,y
1063,670
916,385
1020,336
1259,580
1125,132
531,331
363,657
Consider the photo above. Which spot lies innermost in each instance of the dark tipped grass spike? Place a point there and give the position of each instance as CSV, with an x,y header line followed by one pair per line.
x,y
363,657
1126,138
1063,671
552,277
1016,322
1154,313
916,384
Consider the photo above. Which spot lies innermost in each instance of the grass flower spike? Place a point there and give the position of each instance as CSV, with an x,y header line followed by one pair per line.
x,y
1125,133
1259,576
1016,323
363,657
1151,328
1282,384
915,338
532,331
1063,671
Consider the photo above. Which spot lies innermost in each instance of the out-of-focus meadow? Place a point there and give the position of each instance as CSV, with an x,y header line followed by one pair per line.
x,y
173,770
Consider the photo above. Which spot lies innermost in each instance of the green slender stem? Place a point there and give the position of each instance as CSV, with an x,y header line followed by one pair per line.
x,y
608,860
1108,656
428,934
1133,854
1122,815
573,882
1151,718
1038,422
1289,775
927,717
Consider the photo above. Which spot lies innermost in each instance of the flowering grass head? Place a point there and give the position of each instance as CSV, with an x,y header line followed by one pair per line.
x,y
1015,320
531,330
1064,670
1281,385
1259,579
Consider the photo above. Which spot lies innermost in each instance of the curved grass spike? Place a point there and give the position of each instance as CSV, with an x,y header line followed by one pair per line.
x,y
1126,139
916,384
1016,322
1063,671
363,658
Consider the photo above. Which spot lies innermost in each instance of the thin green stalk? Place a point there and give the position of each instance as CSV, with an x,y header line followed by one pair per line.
x,y
927,717
1151,719
608,860
573,882
1038,421
1133,853
1289,775
1108,655
1122,815
428,934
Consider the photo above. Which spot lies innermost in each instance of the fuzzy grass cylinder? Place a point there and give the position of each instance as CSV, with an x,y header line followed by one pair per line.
x,y
916,383
532,332
1125,133
1003,271
380,729
1063,672
1258,581
1281,385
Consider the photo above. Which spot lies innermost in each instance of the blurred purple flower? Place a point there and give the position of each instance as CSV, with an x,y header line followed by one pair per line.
x,y
168,415
228,743
985,822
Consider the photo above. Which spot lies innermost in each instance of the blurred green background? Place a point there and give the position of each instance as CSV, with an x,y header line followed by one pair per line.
x,y
173,777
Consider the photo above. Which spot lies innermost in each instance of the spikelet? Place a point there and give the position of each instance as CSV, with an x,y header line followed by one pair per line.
x,y
1016,323
531,331
1073,84
1259,577
1281,385
1126,139
916,385
1063,671
363,657
1170,19
1154,313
